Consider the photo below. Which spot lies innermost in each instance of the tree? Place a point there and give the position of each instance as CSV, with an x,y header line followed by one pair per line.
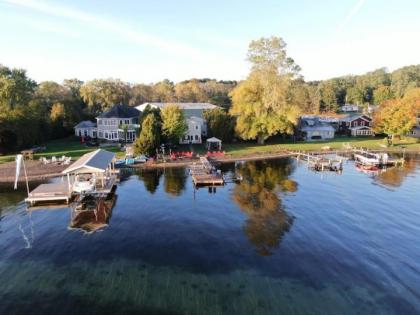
x,y
381,94
220,124
261,103
140,93
163,91
394,118
173,123
190,91
16,89
58,116
100,94
149,137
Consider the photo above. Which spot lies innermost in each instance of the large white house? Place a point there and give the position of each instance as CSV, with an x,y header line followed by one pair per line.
x,y
119,123
415,132
194,116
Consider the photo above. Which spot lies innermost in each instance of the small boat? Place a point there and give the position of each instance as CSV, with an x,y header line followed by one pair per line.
x,y
84,183
119,163
140,159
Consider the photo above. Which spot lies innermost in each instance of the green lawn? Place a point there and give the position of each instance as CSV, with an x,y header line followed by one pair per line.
x,y
72,147
68,147
248,148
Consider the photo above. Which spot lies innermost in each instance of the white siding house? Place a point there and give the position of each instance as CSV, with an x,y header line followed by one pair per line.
x,y
120,123
85,129
196,126
193,113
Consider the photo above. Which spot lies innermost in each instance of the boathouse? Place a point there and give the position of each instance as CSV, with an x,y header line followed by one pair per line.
x,y
94,172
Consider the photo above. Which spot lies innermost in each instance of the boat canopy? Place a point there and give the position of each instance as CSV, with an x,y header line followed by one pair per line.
x,y
93,162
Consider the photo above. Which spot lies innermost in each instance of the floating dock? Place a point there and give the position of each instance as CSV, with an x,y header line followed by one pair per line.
x,y
321,162
375,159
205,174
45,193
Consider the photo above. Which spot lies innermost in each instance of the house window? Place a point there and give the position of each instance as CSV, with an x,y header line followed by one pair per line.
x,y
121,122
127,121
196,127
101,135
99,121
86,133
196,137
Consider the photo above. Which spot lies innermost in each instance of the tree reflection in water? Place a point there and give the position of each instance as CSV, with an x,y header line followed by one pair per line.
x,y
394,176
151,179
174,180
258,197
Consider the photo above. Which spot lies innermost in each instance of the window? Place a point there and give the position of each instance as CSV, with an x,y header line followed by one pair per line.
x,y
127,121
196,127
86,133
121,122
80,133
101,135
196,137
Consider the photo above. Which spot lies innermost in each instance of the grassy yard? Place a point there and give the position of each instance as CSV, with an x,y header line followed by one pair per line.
x,y
72,147
248,148
68,147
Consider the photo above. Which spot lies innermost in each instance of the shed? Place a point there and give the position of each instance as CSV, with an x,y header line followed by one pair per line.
x,y
213,143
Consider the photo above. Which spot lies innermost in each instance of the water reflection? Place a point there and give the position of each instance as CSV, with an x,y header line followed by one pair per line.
x,y
174,180
151,179
258,197
394,177
92,214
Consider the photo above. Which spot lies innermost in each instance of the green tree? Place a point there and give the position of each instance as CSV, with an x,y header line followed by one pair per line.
x,y
149,138
220,124
16,89
261,103
140,93
381,94
163,91
173,123
101,94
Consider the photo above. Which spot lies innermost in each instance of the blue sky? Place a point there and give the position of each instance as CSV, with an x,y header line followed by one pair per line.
x,y
147,41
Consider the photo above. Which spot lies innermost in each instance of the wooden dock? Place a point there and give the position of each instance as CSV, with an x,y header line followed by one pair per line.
x,y
55,192
321,162
205,174
375,159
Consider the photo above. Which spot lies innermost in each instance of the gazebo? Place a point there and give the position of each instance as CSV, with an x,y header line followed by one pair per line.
x,y
213,144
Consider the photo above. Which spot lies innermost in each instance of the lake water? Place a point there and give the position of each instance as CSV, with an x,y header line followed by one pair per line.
x,y
284,240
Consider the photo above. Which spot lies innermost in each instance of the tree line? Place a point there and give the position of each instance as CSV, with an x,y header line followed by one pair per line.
x,y
268,102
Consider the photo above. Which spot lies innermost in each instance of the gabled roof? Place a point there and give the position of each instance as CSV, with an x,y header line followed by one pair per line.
x,y
97,161
85,124
120,111
213,139
354,117
181,105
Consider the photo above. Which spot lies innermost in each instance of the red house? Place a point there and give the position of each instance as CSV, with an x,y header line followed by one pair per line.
x,y
356,125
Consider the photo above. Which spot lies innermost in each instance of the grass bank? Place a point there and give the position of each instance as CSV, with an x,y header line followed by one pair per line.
x,y
72,147
67,146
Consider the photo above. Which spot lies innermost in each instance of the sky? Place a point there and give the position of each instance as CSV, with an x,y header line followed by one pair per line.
x,y
148,41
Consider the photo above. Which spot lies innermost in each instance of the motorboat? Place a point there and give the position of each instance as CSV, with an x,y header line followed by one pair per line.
x,y
84,183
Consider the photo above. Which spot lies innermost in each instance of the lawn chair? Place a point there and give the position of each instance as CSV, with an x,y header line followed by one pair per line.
x,y
53,159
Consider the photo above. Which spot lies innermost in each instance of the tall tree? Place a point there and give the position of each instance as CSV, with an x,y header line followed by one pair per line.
x,y
173,123
100,94
149,137
140,93
260,103
220,124
163,91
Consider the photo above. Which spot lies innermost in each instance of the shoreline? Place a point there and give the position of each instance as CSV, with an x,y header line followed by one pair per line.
x,y
38,173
